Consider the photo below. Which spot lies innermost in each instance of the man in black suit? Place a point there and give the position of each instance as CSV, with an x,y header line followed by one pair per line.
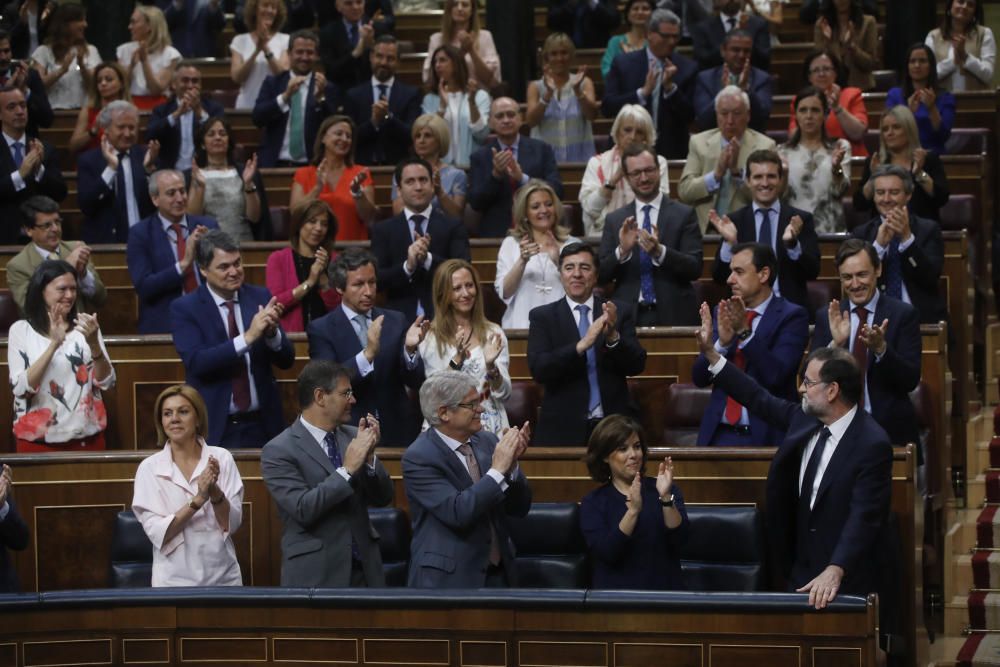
x,y
786,230
376,346
882,333
28,166
910,248
589,23
659,80
708,34
383,109
345,41
497,170
410,246
291,106
112,179
13,532
175,123
651,248
735,70
828,488
581,348
19,75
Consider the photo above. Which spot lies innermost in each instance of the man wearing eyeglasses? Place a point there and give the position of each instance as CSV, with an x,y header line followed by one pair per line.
x,y
43,226
323,475
651,248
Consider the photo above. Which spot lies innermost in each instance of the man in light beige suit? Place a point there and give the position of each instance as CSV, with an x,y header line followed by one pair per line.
x,y
713,175
43,225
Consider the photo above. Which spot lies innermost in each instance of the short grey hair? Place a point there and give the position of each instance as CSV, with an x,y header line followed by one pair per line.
x,y
113,110
351,259
154,180
732,91
894,170
212,240
639,115
662,16
445,388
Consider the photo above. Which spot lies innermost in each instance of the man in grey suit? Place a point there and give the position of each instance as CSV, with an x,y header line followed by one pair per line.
x,y
462,483
323,475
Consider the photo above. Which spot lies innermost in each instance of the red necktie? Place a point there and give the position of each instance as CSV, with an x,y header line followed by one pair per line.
x,y
860,349
734,409
190,282
241,377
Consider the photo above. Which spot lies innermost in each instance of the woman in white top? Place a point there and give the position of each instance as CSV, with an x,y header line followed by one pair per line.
x,y
461,338
189,497
528,262
460,28
465,109
260,53
965,48
604,187
149,57
66,61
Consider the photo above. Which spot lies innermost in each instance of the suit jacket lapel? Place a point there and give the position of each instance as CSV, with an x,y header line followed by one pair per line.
x,y
841,454
450,460
308,445
343,332
212,313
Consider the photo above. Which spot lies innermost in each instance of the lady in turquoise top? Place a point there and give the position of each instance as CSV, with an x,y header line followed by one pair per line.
x,y
561,105
637,14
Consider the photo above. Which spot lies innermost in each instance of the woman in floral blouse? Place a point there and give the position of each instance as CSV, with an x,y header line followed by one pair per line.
x,y
58,367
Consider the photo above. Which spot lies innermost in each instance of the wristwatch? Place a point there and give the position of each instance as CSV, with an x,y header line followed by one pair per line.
x,y
669,502
193,504
746,333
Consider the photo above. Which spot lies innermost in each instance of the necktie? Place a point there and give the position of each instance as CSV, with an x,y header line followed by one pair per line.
x,y
657,93
296,129
725,194
18,154
54,255
646,262
190,282
362,322
764,236
809,478
731,23
894,270
241,377
860,349
595,388
465,449
733,409
418,225
383,91
127,184
333,453
353,34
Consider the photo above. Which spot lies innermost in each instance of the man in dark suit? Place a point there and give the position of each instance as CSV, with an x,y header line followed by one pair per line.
x,y
659,80
735,70
345,41
651,249
377,347
882,333
23,77
28,166
291,106
228,335
708,34
764,335
194,25
828,488
910,248
498,169
581,349
786,230
111,180
13,532
589,23
161,251
462,484
410,246
322,474
383,109
175,123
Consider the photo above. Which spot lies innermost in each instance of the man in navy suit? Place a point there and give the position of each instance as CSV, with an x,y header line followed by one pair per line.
x,y
13,532
910,247
651,248
228,335
462,483
345,41
659,80
498,169
787,230
27,80
28,166
882,333
194,25
376,346
175,123
161,251
828,488
410,246
708,34
761,333
581,349
383,109
111,179
735,70
291,106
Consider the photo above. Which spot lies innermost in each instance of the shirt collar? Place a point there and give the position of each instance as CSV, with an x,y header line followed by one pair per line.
x,y
163,464
589,303
871,305
11,140
761,308
167,224
453,444
318,434
656,203
409,213
388,84
515,146
43,252
776,207
839,427
351,314
219,301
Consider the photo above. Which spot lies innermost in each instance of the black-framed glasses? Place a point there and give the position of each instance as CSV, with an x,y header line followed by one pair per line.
x,y
51,224
807,383
471,405
649,172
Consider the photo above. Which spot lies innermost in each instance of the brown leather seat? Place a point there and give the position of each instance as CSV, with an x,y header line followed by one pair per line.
x,y
524,402
685,404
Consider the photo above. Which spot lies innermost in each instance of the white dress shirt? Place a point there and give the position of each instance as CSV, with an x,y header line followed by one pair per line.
x,y
493,473
837,430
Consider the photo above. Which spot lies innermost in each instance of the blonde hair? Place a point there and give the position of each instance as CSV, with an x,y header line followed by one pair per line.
x,y
904,117
638,114
191,395
443,325
159,35
250,15
448,27
438,128
555,40
522,228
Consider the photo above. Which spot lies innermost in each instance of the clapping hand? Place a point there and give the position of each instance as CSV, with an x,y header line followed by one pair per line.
x,y
839,153
725,226
87,325
249,170
363,445
492,348
576,80
628,235
462,340
874,336
665,477
58,324
78,258
840,323
633,501
416,254
824,27
704,335
528,249
152,152
6,482
610,322
374,338
791,234
416,333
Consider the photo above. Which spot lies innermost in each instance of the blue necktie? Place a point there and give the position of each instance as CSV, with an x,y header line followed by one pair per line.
x,y
332,451
595,388
646,262
18,154
894,270
353,34
383,91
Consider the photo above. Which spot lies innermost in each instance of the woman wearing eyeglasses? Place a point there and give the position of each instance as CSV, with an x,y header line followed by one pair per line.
x,y
847,117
